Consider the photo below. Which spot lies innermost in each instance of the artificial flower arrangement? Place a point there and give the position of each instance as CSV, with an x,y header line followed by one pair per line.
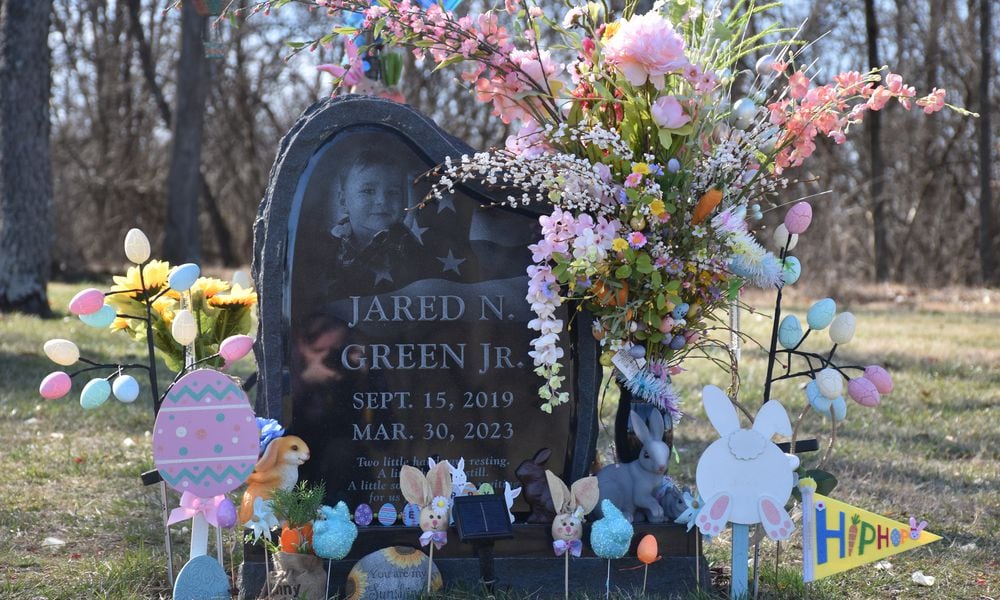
x,y
215,309
652,175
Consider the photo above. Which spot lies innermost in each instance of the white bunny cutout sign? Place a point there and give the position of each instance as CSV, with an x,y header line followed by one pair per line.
x,y
744,476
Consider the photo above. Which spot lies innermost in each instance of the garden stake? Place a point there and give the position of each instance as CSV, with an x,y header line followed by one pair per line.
x,y
741,552
607,582
430,564
645,573
756,564
329,567
566,575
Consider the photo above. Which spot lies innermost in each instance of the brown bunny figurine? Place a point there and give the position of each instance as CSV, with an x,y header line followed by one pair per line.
x,y
278,468
531,474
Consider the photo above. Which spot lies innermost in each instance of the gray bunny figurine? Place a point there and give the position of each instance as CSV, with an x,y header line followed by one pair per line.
x,y
632,486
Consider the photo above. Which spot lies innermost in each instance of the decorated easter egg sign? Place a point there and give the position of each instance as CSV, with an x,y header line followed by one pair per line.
x,y
387,514
363,515
205,439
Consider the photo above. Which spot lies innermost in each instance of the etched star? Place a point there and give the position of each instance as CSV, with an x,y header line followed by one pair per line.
x,y
450,262
446,201
418,232
382,274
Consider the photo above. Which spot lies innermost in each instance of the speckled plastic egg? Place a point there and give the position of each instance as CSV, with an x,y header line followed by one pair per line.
x,y
818,401
86,301
387,515
678,342
830,383
798,217
880,377
821,313
792,270
842,328
182,277
226,513
95,393
411,515
55,385
205,438
789,332
100,319
864,392
782,236
125,388
637,351
363,515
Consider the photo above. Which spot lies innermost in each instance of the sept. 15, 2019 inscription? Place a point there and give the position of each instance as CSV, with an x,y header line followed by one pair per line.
x,y
408,331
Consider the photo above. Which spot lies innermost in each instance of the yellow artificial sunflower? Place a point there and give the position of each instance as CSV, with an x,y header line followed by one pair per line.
x,y
357,583
237,295
154,275
641,168
619,245
165,306
209,286
657,207
403,556
119,324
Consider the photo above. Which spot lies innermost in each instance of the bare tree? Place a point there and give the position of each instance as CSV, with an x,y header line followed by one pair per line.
x,y
987,233
25,167
182,241
874,129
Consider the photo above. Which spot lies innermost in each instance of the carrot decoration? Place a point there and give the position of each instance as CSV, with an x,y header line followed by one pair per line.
x,y
852,534
709,200
296,539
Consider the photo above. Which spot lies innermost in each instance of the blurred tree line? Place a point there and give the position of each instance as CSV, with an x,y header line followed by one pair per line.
x,y
147,132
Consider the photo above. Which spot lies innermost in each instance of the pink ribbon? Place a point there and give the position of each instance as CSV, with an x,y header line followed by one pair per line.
x,y
575,547
191,505
440,538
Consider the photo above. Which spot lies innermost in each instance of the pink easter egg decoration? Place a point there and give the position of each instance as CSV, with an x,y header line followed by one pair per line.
x,y
880,377
87,302
225,513
55,385
863,391
798,217
235,347
205,438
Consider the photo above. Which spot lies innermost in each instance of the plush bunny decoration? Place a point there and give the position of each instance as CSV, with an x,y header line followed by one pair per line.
x,y
571,506
431,494
633,486
744,475
531,474
278,468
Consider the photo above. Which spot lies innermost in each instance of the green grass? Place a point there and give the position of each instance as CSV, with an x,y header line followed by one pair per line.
x,y
930,451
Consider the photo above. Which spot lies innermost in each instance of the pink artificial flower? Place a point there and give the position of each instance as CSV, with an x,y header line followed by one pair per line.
x,y
535,13
668,113
933,102
879,98
529,142
706,83
512,6
636,239
798,85
353,73
646,48
850,82
633,180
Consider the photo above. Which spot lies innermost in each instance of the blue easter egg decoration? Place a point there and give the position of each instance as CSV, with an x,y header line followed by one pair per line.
x,y
790,332
125,388
363,515
678,342
680,311
792,270
100,319
387,515
95,393
818,401
182,277
411,515
821,313
839,408
637,351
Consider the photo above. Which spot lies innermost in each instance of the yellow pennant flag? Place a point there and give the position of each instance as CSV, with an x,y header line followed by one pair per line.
x,y
838,536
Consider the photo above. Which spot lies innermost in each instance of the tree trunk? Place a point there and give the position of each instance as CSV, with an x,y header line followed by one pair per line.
x,y
987,232
182,241
25,160
874,127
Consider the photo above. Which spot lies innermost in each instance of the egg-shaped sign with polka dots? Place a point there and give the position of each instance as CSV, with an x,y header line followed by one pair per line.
x,y
205,439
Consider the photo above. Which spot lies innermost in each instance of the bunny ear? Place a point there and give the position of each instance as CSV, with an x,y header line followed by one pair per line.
x,y
720,410
440,480
542,456
655,424
586,494
772,419
461,466
431,462
270,458
559,492
639,427
413,485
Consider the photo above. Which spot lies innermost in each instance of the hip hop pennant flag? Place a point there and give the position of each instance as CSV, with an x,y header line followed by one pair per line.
x,y
837,536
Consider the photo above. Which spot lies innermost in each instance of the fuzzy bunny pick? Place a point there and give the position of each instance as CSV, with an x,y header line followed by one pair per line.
x,y
571,506
431,494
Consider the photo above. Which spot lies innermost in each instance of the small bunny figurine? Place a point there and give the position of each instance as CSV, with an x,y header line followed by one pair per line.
x,y
509,495
571,506
278,468
743,474
334,534
633,486
531,474
431,494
